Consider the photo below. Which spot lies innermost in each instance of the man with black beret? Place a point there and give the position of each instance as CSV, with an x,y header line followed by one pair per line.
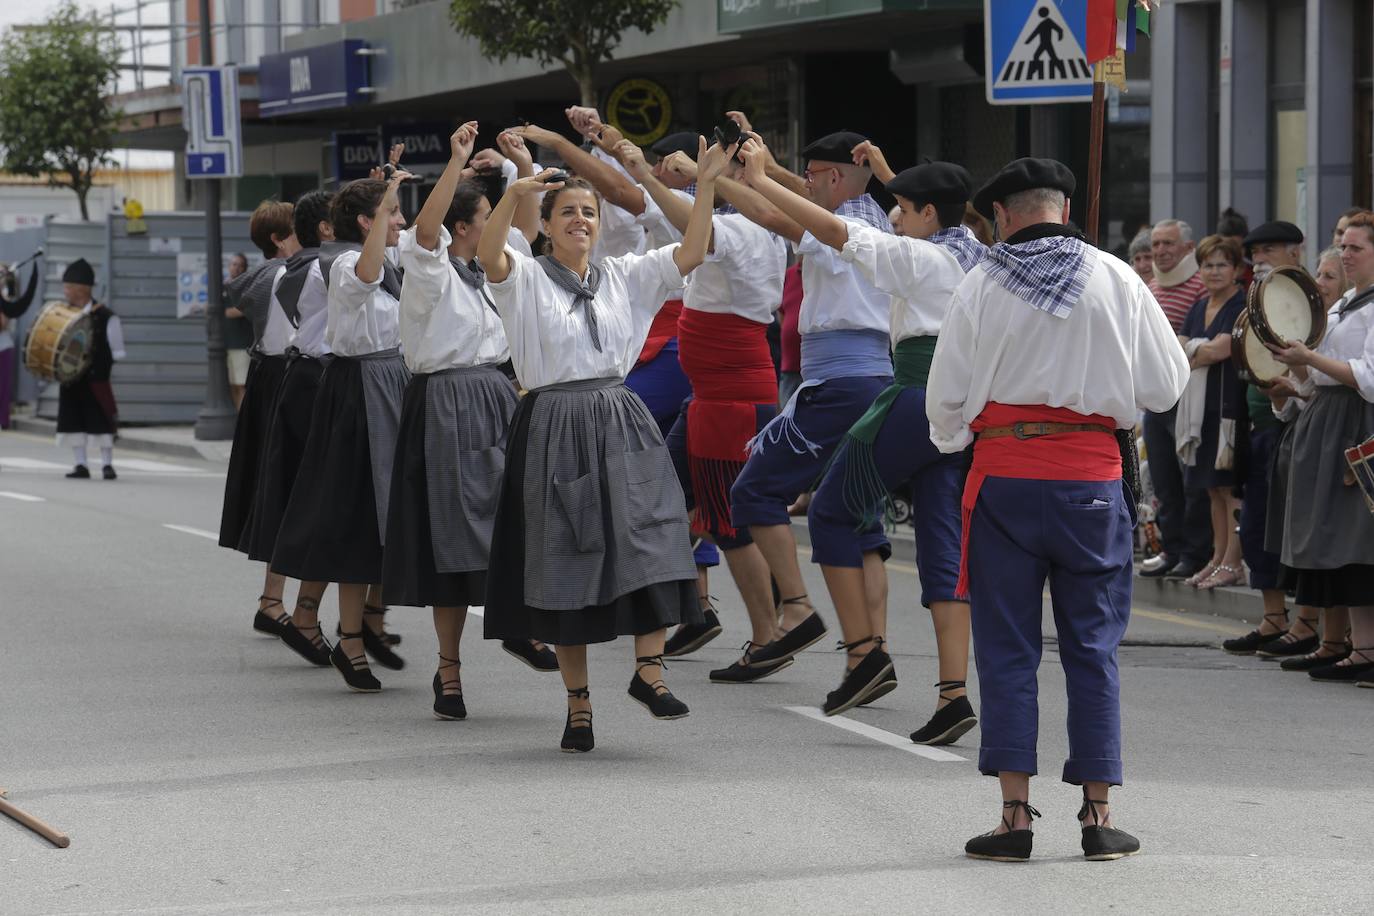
x,y
1277,243
86,405
884,449
1048,348
843,323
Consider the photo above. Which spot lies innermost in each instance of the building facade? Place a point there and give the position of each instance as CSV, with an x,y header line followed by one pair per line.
x,y
1266,106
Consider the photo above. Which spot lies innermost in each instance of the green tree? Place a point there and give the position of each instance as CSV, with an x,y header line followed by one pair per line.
x,y
54,119
579,34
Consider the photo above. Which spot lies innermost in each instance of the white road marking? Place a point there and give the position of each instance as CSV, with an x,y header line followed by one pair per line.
x,y
198,532
875,734
477,611
22,497
139,464
32,464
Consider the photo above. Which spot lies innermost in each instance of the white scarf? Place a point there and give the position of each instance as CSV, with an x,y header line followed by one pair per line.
x,y
1182,272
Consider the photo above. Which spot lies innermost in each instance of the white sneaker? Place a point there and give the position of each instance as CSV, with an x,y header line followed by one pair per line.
x,y
1155,563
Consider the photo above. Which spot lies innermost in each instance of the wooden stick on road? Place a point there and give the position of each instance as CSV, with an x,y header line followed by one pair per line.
x,y
46,831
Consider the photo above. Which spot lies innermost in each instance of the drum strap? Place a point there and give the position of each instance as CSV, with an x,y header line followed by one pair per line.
x,y
1357,302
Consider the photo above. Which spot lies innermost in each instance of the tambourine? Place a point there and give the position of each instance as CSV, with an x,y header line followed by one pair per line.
x,y
1254,361
1286,305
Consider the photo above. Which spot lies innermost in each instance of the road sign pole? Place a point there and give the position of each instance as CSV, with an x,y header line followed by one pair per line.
x,y
217,415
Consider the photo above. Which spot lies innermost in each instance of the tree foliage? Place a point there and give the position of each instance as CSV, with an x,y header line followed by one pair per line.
x,y
579,34
54,119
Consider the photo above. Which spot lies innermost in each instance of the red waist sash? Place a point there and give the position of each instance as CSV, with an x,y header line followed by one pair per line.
x,y
1058,456
726,358
663,329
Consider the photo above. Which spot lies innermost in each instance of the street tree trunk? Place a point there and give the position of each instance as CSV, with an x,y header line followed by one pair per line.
x,y
585,74
81,192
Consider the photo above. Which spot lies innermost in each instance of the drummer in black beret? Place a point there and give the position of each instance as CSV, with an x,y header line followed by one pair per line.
x,y
86,405
1277,243
80,273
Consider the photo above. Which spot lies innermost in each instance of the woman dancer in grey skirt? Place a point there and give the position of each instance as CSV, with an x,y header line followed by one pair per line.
x,y
450,450
591,537
335,521
1328,531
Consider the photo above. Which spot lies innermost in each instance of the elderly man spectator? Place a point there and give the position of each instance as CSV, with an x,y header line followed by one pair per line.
x,y
1184,516
1141,257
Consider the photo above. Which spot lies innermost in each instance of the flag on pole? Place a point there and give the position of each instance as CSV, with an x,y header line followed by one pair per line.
x,y
1101,29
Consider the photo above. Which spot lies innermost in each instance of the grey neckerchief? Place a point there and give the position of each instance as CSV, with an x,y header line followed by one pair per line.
x,y
391,274
474,276
584,294
293,282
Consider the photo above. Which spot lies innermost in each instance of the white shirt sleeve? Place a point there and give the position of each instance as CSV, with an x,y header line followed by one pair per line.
x,y
427,272
345,284
820,256
648,279
516,239
951,373
114,333
1160,367
891,263
1363,367
654,221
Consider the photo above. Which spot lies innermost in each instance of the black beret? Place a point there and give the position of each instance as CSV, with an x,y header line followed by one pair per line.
x,y
933,182
836,147
1276,231
79,272
681,142
1023,175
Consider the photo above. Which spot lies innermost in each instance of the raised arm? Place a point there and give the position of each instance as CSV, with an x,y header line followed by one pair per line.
x,y
491,248
866,153
369,266
527,213
697,235
606,178
788,179
820,222
747,201
19,306
677,210
431,218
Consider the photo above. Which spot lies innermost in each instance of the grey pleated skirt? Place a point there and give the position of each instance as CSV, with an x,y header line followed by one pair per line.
x,y
591,537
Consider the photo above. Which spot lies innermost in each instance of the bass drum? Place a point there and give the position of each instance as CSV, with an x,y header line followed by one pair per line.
x,y
59,345
1254,361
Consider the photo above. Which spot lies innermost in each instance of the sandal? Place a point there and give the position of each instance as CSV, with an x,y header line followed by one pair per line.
x,y
1201,574
1222,576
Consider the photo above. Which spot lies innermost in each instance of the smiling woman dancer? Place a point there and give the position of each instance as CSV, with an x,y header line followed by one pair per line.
x,y
591,539
336,519
451,445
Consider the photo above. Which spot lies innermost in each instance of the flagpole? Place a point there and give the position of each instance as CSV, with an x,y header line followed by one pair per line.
x,y
1099,114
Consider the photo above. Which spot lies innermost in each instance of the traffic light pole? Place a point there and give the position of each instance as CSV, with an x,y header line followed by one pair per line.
x,y
217,415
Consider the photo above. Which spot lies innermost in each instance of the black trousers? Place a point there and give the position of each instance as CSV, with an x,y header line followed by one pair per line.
x,y
1185,516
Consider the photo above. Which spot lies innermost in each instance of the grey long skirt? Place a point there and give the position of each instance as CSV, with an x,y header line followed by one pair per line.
x,y
1326,522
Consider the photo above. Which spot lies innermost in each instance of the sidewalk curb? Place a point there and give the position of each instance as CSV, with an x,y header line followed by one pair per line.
x,y
1170,595
129,440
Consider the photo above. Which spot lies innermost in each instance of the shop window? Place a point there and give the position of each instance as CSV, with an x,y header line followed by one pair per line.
x,y
1287,114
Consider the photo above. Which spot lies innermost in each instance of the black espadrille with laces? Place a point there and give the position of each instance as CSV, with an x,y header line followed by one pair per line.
x,y
655,696
872,669
1009,846
577,731
1102,843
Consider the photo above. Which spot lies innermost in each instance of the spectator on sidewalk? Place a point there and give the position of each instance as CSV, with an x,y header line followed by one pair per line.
x,y
1206,438
1233,225
1140,256
1184,515
238,336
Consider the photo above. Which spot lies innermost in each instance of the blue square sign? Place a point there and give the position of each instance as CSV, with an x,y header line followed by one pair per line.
x,y
1034,51
206,164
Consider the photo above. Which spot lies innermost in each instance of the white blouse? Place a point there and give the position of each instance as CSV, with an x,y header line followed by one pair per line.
x,y
1349,340
445,323
313,308
276,333
1115,354
550,342
834,296
742,274
363,317
659,230
619,232
921,276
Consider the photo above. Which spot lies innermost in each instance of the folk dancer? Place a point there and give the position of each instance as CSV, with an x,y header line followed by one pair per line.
x,y
844,323
301,300
890,444
1047,350
272,229
450,448
591,536
86,405
335,523
729,304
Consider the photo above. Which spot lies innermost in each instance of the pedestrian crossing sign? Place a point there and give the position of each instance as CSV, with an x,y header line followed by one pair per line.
x,y
1034,51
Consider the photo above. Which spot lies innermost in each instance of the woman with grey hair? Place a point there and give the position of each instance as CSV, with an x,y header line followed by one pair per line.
x,y
1140,256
